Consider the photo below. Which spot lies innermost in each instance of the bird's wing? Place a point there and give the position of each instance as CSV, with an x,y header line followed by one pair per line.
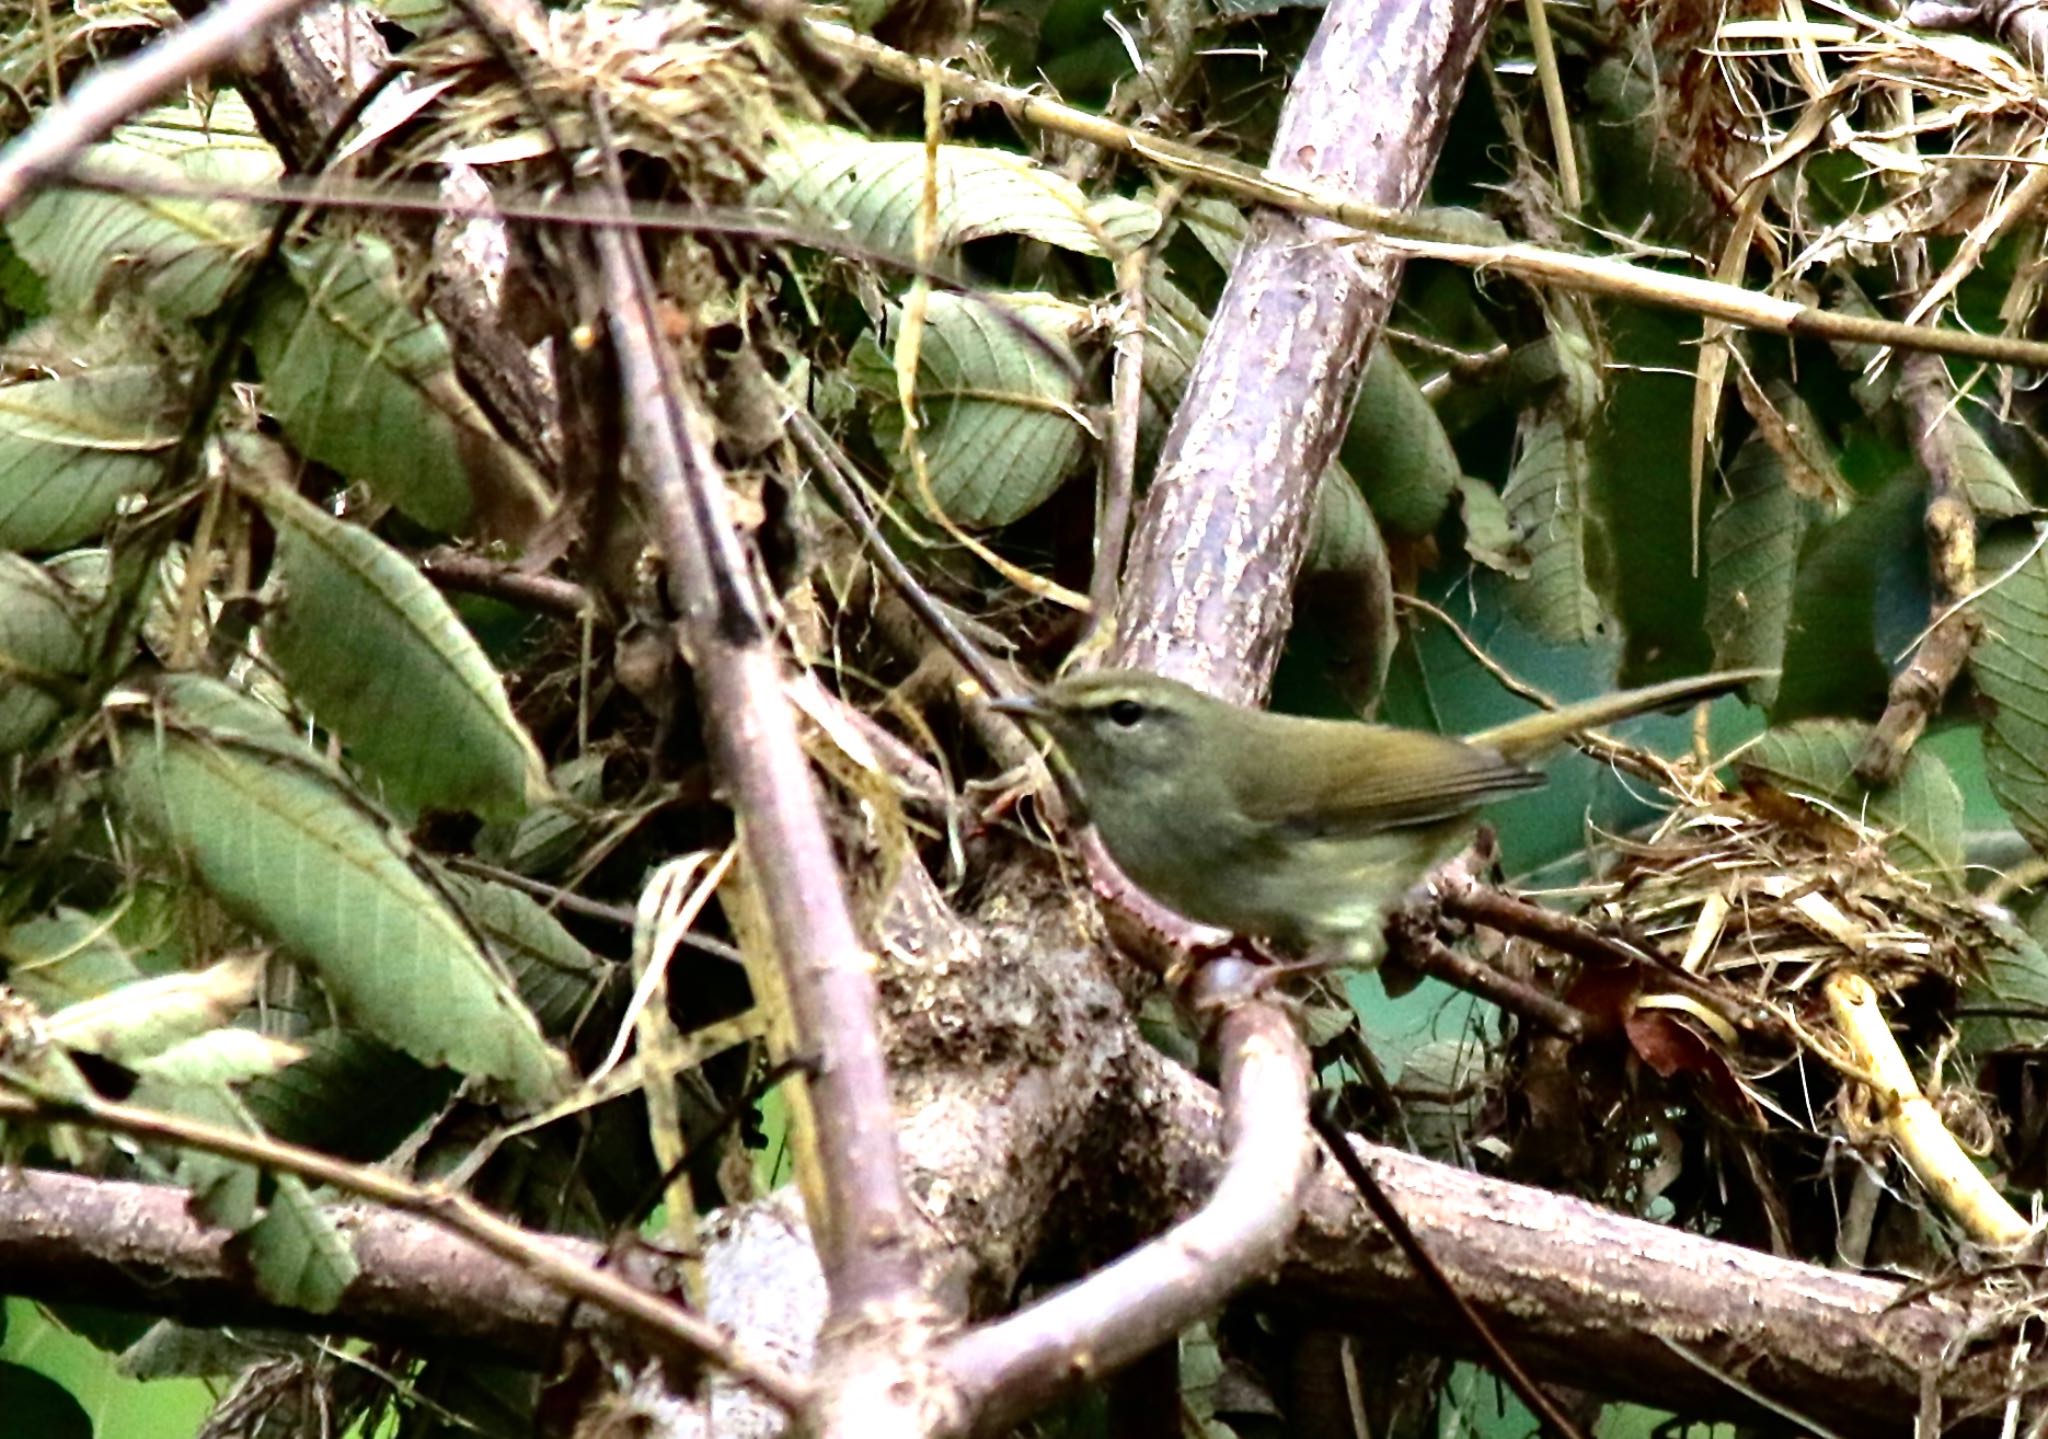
x,y
1335,780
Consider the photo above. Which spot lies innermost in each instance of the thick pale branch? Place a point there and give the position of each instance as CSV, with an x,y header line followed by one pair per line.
x,y
659,1323
137,1246
1010,1367
1207,595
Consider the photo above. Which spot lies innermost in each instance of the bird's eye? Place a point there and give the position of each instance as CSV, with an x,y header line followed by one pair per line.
x,y
1125,714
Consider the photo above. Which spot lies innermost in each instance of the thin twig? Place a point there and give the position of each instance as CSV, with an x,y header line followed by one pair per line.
x,y
1120,454
1410,941
1918,689
669,1327
1454,236
1463,897
454,569
115,91
816,446
1338,1143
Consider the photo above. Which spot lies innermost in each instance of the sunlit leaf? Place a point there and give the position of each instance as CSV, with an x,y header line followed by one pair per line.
x,y
1921,811
1000,412
42,645
361,382
872,191
382,660
281,845
141,1019
72,450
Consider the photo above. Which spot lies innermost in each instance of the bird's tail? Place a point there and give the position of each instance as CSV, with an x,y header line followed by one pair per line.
x,y
1531,735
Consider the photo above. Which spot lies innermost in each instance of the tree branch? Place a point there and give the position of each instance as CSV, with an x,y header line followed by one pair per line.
x,y
1010,1367
1225,522
827,973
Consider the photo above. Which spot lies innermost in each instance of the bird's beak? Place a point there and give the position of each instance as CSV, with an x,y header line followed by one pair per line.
x,y
1024,706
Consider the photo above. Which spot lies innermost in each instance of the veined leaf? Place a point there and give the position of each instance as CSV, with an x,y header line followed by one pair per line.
x,y
73,449
180,256
63,957
1922,810
1001,422
348,1095
283,847
382,660
2004,1004
556,975
1549,501
2009,666
295,1253
362,383
42,642
873,189
1992,490
1752,564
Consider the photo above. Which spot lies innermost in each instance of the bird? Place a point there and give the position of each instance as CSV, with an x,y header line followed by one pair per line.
x,y
1307,833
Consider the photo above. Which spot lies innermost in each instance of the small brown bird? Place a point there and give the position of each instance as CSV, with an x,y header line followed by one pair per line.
x,y
1305,831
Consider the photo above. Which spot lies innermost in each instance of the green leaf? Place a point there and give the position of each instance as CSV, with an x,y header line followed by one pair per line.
x,y
1346,588
382,660
1002,427
1991,489
1832,663
180,256
295,1253
2009,666
549,833
1489,539
1753,563
42,645
283,846
63,957
141,1019
1549,501
73,450
364,384
557,976
349,1096
223,1056
2004,1005
1398,451
872,191
1922,810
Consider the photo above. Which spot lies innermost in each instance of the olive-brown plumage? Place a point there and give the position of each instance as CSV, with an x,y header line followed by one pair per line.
x,y
1306,831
